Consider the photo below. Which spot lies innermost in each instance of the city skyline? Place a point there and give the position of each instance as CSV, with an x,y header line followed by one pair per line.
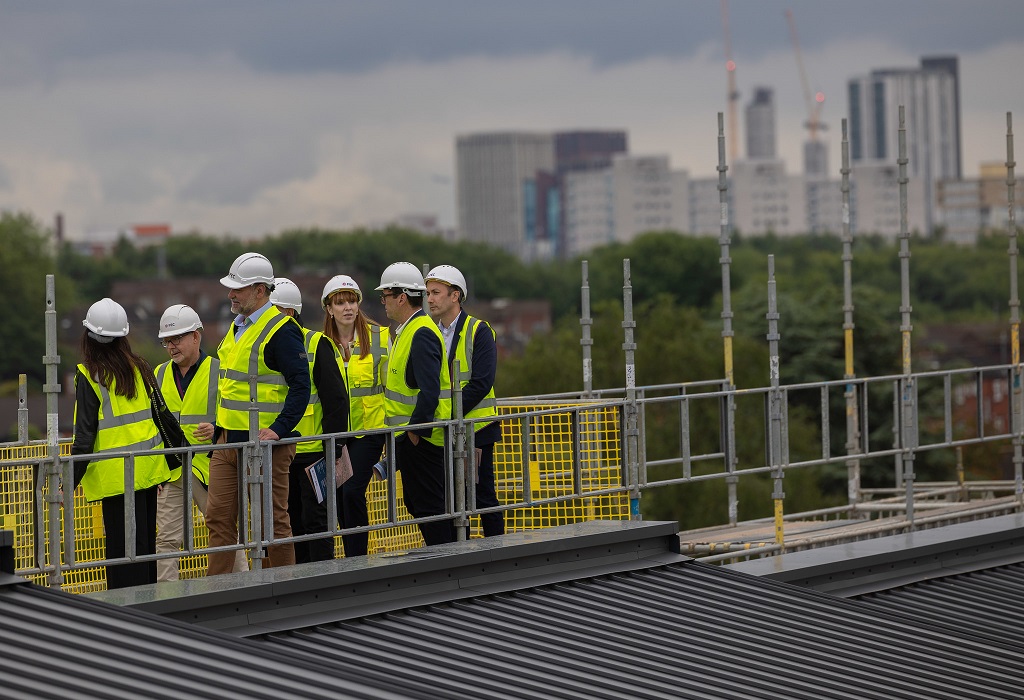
x,y
248,118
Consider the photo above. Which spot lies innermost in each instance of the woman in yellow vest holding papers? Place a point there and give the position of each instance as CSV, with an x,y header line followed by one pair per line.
x,y
364,354
112,414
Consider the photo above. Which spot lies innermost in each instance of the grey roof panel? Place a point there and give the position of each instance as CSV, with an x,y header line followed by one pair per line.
x,y
988,603
58,645
682,630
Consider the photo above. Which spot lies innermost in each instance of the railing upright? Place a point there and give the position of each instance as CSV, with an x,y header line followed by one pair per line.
x,y
1016,391
852,414
908,391
728,422
53,467
631,455
774,432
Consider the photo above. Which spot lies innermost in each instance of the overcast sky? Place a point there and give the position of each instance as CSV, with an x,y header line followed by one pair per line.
x,y
250,116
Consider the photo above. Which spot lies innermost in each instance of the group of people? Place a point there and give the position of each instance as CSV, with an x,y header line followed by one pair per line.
x,y
353,376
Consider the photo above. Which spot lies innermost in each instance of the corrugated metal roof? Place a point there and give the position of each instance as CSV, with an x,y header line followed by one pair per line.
x,y
684,630
540,617
58,645
988,603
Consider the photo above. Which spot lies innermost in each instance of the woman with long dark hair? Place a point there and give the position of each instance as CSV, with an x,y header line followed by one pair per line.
x,y
363,362
112,414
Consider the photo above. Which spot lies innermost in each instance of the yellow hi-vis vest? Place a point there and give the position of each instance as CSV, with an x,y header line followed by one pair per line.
x,y
199,405
312,422
399,397
123,425
488,405
242,358
364,380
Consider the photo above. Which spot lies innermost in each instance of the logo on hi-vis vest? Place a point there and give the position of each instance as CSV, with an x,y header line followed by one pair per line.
x,y
393,370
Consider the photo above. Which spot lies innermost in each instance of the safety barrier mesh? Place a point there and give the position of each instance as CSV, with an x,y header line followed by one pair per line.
x,y
544,472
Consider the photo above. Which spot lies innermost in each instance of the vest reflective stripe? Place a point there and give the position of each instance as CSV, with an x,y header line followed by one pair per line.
x,y
123,426
199,405
399,397
364,380
488,405
312,421
244,358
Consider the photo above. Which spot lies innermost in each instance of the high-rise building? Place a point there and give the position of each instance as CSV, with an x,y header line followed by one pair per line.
x,y
634,195
496,187
510,185
760,120
930,96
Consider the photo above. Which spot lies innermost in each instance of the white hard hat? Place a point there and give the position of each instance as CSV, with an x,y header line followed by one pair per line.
x,y
249,268
286,294
451,276
402,275
340,283
106,320
178,319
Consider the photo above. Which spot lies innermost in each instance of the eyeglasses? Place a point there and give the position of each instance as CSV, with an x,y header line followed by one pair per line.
x,y
175,339
386,295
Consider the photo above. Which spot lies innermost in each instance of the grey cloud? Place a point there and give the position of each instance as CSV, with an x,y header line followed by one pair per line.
x,y
236,178
5,178
352,35
130,186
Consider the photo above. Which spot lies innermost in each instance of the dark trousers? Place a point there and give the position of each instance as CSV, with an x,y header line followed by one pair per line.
x,y
138,573
486,496
423,489
364,452
306,514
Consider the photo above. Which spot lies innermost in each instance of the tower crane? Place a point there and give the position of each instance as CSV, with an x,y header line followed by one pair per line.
x,y
732,95
815,102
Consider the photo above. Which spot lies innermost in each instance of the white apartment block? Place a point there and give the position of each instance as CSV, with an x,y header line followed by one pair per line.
x,y
706,207
875,200
635,195
493,175
766,199
973,206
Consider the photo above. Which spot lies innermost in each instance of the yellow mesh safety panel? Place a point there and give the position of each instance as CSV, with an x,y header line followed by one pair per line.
x,y
547,470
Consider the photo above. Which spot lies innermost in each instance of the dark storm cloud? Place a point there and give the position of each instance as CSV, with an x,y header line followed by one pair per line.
x,y
336,35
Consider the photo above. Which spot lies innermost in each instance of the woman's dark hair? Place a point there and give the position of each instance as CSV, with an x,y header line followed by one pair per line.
x,y
113,364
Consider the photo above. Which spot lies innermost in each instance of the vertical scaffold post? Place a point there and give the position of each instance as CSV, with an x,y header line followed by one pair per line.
x,y
1016,393
53,469
586,341
22,409
252,482
775,418
852,414
908,424
728,410
459,462
631,461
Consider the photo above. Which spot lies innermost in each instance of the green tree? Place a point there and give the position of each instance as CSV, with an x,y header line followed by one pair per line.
x,y
26,259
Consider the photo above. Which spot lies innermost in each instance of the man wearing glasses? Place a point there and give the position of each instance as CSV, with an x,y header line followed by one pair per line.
x,y
417,390
188,382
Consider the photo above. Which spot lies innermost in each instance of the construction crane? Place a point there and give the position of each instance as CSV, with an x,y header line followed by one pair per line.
x,y
732,95
814,102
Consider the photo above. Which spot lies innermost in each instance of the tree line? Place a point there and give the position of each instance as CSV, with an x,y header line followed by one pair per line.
x,y
677,307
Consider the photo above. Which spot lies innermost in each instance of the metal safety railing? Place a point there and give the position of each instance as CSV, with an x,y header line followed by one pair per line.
x,y
597,453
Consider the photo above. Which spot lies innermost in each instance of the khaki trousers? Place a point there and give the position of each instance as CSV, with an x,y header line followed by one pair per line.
x,y
170,526
222,507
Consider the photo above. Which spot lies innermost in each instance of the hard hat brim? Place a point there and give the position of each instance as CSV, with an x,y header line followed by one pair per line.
x,y
232,284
